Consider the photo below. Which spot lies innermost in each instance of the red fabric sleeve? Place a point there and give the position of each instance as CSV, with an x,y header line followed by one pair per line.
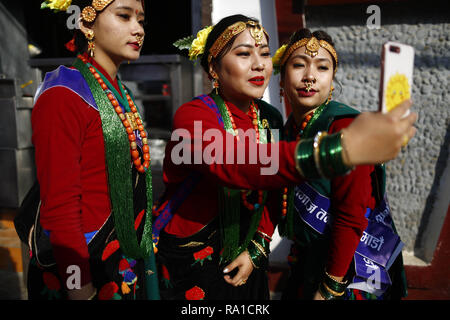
x,y
59,123
351,195
194,119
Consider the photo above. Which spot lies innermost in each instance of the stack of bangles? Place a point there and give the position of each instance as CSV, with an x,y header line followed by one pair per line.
x,y
259,249
321,156
332,289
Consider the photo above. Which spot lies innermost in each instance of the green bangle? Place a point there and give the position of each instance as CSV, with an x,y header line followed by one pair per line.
x,y
333,284
328,295
330,156
304,159
258,250
317,139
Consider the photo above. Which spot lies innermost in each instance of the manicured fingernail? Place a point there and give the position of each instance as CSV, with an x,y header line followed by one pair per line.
x,y
225,270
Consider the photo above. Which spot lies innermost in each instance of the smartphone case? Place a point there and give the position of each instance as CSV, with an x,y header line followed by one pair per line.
x,y
397,66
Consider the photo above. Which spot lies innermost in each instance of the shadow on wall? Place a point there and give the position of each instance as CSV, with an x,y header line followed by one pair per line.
x,y
424,247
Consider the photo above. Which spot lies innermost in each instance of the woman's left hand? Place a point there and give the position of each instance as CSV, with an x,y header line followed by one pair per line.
x,y
245,266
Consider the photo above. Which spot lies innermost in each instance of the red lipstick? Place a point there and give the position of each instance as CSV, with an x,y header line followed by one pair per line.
x,y
134,45
304,93
258,81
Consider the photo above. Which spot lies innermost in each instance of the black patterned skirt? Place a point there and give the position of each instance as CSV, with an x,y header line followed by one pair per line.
x,y
190,269
114,275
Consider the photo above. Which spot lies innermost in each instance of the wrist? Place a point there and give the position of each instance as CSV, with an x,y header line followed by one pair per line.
x,y
332,288
345,154
258,250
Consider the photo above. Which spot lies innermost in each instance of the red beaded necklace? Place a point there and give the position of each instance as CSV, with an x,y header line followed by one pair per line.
x,y
131,121
244,193
284,203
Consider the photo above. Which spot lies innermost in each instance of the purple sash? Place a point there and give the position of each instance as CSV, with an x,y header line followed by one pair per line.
x,y
379,245
312,207
370,276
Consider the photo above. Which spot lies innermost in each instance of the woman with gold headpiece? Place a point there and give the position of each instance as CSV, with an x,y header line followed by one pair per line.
x,y
214,224
344,239
93,164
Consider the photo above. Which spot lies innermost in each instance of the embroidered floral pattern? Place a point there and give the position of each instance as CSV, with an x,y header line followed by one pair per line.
x,y
52,285
195,293
165,276
203,254
112,247
109,292
129,277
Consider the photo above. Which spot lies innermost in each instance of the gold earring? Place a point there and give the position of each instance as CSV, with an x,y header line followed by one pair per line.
x,y
216,85
91,45
331,92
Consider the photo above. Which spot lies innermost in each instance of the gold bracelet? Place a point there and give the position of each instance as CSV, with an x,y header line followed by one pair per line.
x,y
334,279
334,293
260,248
264,235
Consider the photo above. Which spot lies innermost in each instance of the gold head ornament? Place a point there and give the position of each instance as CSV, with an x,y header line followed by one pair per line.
x,y
197,44
256,31
89,13
312,46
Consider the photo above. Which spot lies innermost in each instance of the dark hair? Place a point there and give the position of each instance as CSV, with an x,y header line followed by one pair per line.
x,y
306,33
79,38
215,33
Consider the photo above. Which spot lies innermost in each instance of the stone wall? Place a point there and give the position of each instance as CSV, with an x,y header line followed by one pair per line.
x,y
413,179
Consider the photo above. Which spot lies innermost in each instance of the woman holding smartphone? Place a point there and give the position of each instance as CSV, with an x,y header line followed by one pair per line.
x,y
215,223
341,210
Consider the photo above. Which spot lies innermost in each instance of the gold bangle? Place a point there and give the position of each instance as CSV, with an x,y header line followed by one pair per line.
x,y
264,235
334,279
260,248
334,293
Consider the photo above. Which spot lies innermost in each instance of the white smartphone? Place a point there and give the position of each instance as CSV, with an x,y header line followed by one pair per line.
x,y
397,65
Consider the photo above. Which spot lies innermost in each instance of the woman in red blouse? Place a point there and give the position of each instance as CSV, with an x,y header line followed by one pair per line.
x,y
213,233
92,160
327,217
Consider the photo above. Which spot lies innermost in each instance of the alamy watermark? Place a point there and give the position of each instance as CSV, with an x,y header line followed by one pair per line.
x,y
74,279
211,146
73,21
374,20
